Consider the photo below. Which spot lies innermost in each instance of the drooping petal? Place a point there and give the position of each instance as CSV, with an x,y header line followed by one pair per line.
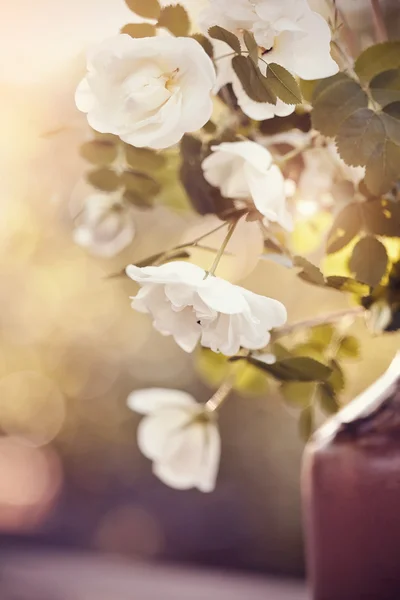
x,y
149,400
208,471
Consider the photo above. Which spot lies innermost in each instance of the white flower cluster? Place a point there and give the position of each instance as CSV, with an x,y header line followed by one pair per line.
x,y
150,92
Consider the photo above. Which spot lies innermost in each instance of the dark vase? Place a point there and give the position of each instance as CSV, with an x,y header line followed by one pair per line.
x,y
351,497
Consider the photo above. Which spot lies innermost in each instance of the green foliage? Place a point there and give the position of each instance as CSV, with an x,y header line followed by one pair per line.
x,y
104,179
369,260
175,19
372,139
349,347
385,87
306,423
337,379
205,43
144,159
99,152
283,84
140,183
219,33
327,399
344,228
139,30
149,9
311,274
254,83
321,335
251,46
298,394
296,368
334,99
377,59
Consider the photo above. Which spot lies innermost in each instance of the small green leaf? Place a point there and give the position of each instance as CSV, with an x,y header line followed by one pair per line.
x,y
205,43
347,284
327,399
99,153
298,394
175,19
377,59
149,9
280,351
283,84
297,368
310,272
104,179
382,217
311,350
372,140
334,100
345,228
144,159
385,87
254,83
307,88
369,260
349,347
138,200
219,33
251,45
306,423
337,379
139,30
322,335
140,183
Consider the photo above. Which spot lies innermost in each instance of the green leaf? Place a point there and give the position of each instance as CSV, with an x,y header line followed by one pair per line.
x,y
310,350
98,152
369,260
149,9
345,227
175,19
307,88
140,183
144,159
139,30
254,83
138,200
373,140
280,351
205,43
385,87
322,335
349,347
310,272
297,368
251,45
346,284
104,179
306,423
327,399
283,84
382,217
298,394
377,59
219,33
337,379
334,100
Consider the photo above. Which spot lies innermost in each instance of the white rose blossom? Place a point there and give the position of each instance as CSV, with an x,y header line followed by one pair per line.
x,y
148,91
244,170
180,436
192,308
288,33
105,226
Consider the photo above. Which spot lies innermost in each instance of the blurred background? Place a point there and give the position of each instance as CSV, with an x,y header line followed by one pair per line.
x,y
71,348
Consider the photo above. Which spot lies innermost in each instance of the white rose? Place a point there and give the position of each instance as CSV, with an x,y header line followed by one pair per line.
x,y
106,225
180,436
288,32
192,308
148,91
244,170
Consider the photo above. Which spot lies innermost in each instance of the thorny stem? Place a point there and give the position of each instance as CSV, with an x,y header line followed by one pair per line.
x,y
379,23
221,251
221,394
333,318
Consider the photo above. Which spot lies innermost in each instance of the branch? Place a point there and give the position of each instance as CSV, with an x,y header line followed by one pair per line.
x,y
333,318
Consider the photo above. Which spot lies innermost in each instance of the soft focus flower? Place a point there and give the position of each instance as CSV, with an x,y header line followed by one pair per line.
x,y
192,308
148,91
244,170
288,32
106,225
180,436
